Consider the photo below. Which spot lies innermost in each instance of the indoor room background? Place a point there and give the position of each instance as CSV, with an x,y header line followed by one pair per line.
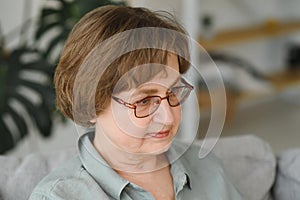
x,y
255,45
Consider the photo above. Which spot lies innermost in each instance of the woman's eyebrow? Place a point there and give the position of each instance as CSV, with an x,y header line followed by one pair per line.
x,y
150,91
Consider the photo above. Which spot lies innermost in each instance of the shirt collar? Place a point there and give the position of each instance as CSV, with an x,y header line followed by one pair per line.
x,y
102,172
179,172
98,168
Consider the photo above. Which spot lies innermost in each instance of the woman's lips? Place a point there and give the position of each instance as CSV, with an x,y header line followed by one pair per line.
x,y
161,134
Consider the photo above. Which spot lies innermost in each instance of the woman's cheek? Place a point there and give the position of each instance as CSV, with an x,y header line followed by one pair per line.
x,y
126,121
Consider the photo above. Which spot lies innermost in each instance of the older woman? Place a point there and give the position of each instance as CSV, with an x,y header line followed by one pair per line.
x,y
120,71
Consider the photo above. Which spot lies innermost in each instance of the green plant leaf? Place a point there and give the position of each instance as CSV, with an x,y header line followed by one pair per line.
x,y
12,68
88,5
6,141
13,65
48,12
40,114
19,121
45,92
40,66
46,27
63,18
59,39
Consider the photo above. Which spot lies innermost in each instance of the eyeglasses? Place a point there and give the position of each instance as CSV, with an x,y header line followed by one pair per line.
x,y
147,106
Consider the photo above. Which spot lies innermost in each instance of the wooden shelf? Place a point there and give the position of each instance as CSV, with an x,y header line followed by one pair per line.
x,y
283,80
267,30
279,81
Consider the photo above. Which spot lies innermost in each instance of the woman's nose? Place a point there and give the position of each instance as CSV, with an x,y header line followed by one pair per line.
x,y
164,113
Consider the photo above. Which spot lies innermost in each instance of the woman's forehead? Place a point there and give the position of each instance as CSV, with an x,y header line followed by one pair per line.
x,y
166,78
163,79
159,84
150,75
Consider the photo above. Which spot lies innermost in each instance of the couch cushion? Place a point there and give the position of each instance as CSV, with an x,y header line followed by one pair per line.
x,y
18,176
249,162
287,185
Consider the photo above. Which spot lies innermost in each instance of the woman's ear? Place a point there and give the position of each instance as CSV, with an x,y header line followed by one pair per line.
x,y
93,121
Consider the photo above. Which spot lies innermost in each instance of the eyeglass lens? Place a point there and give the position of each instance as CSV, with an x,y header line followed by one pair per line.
x,y
149,105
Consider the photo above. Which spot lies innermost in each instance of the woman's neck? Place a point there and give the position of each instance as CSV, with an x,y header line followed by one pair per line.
x,y
122,161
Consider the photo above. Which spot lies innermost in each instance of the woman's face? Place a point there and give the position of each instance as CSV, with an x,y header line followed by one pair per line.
x,y
153,134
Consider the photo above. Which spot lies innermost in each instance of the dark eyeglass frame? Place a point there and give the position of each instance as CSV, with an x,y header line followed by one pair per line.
x,y
169,93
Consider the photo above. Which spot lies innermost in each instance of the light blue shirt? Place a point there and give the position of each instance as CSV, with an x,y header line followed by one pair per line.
x,y
87,176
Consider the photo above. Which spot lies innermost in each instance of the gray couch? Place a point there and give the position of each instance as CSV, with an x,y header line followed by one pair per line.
x,y
248,160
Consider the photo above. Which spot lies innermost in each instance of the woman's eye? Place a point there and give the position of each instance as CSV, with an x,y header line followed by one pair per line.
x,y
144,102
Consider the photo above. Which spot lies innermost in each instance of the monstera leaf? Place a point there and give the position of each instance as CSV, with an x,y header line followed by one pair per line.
x,y
62,18
26,91
26,96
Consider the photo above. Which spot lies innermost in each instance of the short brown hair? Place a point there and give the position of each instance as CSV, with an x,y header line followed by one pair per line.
x,y
96,27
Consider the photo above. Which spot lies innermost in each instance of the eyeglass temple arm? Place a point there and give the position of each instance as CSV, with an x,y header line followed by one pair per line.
x,y
120,101
187,84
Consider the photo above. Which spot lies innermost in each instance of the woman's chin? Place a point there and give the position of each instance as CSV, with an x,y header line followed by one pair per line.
x,y
159,148
150,149
159,145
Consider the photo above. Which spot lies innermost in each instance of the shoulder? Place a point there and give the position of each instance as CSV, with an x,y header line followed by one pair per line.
x,y
70,181
190,154
193,163
207,174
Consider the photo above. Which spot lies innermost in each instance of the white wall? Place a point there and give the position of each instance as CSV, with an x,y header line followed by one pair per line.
x,y
12,16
